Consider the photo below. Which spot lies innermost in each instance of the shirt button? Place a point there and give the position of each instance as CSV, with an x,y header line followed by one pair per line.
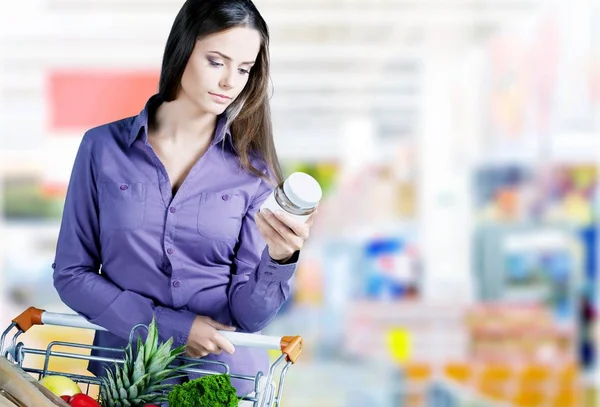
x,y
176,283
170,251
172,209
53,265
124,187
225,197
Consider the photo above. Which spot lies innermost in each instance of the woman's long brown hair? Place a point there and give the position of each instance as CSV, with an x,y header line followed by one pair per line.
x,y
249,116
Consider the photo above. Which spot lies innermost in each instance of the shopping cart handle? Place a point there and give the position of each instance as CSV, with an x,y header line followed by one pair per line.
x,y
35,316
289,345
28,318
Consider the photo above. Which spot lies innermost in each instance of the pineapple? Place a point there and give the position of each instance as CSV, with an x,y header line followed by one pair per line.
x,y
139,380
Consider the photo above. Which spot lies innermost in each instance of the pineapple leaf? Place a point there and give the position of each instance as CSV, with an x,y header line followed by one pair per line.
x,y
157,363
169,375
106,387
154,398
129,357
140,348
126,373
159,387
140,380
161,376
160,359
178,351
132,392
151,341
104,399
128,366
118,380
103,382
171,358
112,386
138,366
158,367
165,348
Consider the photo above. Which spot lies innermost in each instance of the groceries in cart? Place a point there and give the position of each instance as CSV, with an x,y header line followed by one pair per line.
x,y
143,375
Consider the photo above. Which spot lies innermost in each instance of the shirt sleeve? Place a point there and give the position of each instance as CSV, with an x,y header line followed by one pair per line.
x,y
260,285
77,263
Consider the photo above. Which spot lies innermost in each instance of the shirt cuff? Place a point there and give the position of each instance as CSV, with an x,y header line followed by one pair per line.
x,y
176,324
293,259
270,270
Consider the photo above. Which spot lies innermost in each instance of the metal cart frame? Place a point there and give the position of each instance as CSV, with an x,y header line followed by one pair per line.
x,y
266,393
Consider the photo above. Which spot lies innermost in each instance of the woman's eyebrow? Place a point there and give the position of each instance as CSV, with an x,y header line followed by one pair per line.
x,y
229,58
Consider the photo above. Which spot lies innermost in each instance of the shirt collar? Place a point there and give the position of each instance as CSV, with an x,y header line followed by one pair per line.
x,y
140,122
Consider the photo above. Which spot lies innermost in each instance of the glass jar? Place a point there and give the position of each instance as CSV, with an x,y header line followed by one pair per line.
x,y
298,195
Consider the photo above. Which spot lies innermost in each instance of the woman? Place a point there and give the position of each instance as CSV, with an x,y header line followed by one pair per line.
x,y
161,215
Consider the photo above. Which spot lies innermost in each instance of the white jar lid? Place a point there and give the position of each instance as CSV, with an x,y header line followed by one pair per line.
x,y
303,190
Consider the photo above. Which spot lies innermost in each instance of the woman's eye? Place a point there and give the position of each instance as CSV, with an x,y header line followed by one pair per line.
x,y
214,63
244,71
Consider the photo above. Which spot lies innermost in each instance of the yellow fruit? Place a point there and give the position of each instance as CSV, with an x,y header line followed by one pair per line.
x,y
60,385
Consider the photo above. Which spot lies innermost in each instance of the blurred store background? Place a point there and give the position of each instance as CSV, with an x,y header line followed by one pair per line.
x,y
454,259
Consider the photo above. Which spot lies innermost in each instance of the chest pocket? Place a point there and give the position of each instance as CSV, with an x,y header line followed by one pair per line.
x,y
122,206
220,216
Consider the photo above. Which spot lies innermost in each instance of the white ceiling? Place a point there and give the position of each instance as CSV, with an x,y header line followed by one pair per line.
x,y
331,60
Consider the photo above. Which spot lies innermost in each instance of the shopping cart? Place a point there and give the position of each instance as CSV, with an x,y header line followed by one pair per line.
x,y
267,388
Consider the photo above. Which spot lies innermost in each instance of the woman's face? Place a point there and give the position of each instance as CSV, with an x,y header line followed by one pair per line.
x,y
219,68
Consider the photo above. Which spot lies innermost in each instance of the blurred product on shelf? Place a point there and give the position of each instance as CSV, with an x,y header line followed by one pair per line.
x,y
530,263
390,269
509,333
27,261
405,331
379,200
503,193
309,282
26,198
571,195
557,192
502,385
325,172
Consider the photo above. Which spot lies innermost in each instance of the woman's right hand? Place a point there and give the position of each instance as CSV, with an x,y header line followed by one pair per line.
x,y
204,338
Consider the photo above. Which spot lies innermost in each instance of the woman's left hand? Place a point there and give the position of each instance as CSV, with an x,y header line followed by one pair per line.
x,y
284,234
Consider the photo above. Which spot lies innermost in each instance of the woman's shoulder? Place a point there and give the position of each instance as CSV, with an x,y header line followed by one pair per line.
x,y
116,132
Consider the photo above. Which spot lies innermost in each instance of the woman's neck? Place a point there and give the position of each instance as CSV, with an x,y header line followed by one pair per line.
x,y
182,122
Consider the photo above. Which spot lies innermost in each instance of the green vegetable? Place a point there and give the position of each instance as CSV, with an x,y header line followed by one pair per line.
x,y
209,391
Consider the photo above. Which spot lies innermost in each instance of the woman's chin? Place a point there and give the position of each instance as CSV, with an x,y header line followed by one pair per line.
x,y
214,108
